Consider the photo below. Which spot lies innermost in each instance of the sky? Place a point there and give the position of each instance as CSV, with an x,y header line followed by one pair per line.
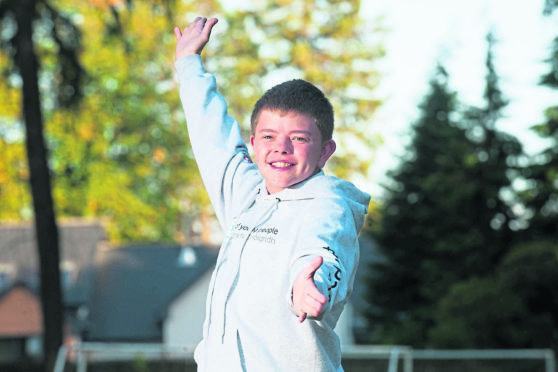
x,y
420,33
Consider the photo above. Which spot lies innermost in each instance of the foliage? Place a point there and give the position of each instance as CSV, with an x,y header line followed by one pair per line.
x,y
410,232
541,195
445,219
18,43
122,154
514,308
128,163
497,157
323,42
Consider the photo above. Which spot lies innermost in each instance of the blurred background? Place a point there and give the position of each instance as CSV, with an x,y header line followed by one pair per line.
x,y
446,113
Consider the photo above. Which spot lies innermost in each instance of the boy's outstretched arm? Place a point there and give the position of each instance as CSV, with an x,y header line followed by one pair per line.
x,y
194,37
307,299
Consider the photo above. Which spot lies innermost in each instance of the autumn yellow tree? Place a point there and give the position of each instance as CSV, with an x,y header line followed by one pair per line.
x,y
14,174
123,155
325,42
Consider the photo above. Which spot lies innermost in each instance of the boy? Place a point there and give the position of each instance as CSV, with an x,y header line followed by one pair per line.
x,y
287,264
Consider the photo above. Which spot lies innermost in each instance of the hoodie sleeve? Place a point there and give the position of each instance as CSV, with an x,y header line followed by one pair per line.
x,y
331,229
227,172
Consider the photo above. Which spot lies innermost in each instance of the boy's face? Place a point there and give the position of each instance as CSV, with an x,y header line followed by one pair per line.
x,y
288,148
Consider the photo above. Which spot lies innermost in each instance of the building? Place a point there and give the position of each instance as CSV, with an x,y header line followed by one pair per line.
x,y
142,293
150,293
20,307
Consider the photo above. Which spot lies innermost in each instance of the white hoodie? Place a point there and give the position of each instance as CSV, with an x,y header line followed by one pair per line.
x,y
250,324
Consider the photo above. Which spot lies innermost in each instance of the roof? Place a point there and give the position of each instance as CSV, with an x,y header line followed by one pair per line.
x,y
78,241
135,285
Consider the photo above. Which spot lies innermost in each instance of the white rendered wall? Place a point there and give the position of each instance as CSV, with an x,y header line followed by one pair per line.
x,y
186,314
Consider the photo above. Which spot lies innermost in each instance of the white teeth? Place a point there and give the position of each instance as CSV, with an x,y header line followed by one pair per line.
x,y
281,164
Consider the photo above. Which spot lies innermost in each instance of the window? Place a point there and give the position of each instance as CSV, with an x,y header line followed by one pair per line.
x,y
68,273
7,275
187,257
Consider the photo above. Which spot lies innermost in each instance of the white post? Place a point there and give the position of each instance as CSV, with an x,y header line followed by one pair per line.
x,y
81,360
393,359
61,359
549,361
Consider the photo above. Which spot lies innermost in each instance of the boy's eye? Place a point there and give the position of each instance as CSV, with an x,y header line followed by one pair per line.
x,y
300,139
267,137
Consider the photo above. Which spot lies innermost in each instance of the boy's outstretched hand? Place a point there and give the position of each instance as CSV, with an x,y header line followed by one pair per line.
x,y
307,299
194,37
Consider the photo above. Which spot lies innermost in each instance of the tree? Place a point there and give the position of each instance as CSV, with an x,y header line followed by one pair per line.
x,y
516,307
444,220
541,196
495,166
419,231
323,42
129,164
113,125
21,48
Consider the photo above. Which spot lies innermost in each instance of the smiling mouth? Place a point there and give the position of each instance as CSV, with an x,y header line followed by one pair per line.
x,y
280,164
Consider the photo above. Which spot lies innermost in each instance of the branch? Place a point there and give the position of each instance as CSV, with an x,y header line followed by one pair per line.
x,y
68,38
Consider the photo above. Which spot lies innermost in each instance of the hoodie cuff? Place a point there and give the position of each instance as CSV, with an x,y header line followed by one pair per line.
x,y
190,64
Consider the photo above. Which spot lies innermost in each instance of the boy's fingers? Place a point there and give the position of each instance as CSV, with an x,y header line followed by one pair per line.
x,y
208,26
313,306
199,23
177,33
316,295
302,317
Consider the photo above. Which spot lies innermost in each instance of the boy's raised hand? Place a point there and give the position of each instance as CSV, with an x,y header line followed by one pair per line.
x,y
307,299
194,37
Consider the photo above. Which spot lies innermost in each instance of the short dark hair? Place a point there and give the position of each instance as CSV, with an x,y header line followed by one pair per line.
x,y
297,96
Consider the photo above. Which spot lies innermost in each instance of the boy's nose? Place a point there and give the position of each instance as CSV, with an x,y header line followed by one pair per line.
x,y
283,145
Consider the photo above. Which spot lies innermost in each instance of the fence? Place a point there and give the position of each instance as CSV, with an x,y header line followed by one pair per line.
x,y
110,357
524,360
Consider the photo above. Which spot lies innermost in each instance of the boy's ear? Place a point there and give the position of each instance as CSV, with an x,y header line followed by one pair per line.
x,y
252,140
328,148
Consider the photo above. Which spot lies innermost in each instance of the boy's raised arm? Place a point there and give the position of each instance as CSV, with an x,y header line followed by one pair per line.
x,y
194,37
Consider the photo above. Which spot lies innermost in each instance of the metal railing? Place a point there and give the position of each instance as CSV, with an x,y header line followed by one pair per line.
x,y
520,354
83,353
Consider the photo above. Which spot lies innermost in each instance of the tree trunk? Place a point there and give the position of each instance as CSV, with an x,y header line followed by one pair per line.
x,y
45,223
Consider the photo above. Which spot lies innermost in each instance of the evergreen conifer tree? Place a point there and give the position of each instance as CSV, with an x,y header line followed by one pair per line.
x,y
495,163
541,197
420,223
445,219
